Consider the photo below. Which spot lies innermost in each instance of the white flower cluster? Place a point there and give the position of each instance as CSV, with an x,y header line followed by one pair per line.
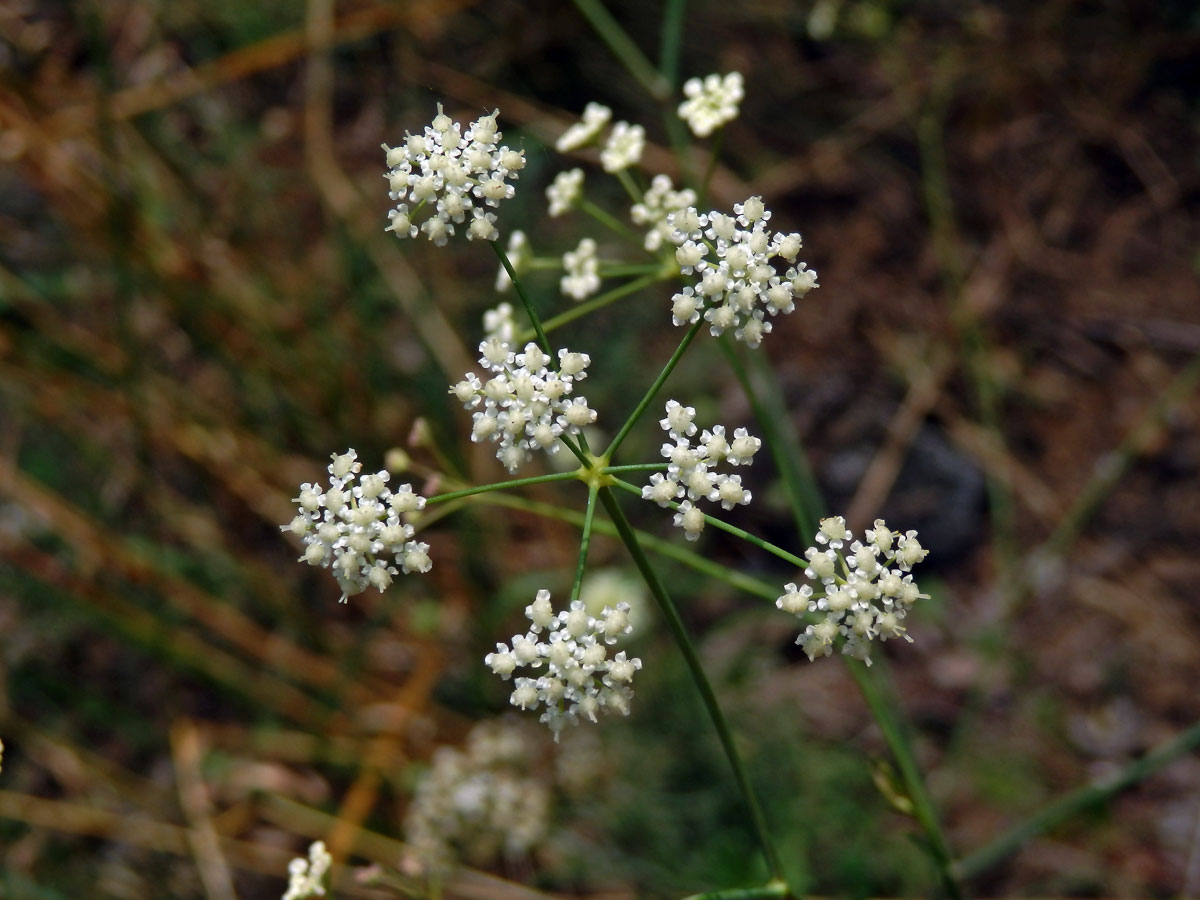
x,y
526,404
450,173
581,679
622,149
595,117
732,255
500,323
711,103
654,211
690,469
865,593
306,876
355,528
565,192
480,802
582,271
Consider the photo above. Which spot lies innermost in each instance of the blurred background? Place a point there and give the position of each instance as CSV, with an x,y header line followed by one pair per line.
x,y
198,304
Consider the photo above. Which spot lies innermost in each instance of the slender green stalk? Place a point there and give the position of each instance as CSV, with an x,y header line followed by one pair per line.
x,y
584,540
600,301
623,48
1113,466
502,486
658,382
635,467
635,191
884,706
713,155
671,41
609,221
769,891
664,548
581,451
729,529
684,641
771,413
534,319
1076,801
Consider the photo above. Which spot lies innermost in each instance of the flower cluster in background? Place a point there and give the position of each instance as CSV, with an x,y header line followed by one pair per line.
x,y
654,211
450,174
865,590
581,679
306,877
526,404
711,102
732,256
356,529
691,470
481,802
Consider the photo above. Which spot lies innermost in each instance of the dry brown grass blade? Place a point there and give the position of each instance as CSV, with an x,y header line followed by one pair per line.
x,y
96,547
186,647
187,751
150,834
464,884
271,53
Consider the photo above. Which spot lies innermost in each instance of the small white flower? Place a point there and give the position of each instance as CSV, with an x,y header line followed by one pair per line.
x,y
624,147
580,679
356,529
711,103
447,173
595,117
861,598
306,876
565,192
582,278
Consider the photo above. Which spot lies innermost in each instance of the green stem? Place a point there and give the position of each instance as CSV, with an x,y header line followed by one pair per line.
x,y
625,50
534,320
883,705
729,529
1075,802
584,540
601,301
658,382
579,451
605,218
770,891
636,467
771,413
713,156
664,548
502,486
671,41
684,641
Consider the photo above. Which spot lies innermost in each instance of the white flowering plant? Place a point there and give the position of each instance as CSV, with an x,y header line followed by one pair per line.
x,y
725,273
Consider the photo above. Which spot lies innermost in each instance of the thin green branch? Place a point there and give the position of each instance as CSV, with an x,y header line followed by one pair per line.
x,y
730,529
1076,802
771,891
684,641
625,50
671,41
600,301
581,451
658,383
779,434
664,548
876,690
609,221
502,486
584,540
